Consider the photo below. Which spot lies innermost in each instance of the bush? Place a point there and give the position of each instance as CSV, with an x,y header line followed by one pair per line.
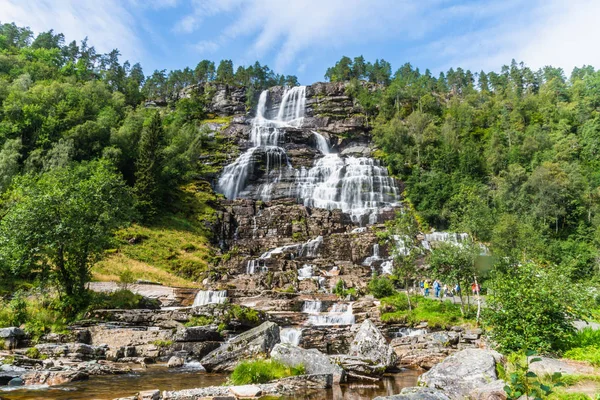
x,y
122,299
381,287
533,308
261,371
199,321
590,354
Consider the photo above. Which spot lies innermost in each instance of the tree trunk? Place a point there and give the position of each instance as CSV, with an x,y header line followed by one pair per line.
x,y
478,300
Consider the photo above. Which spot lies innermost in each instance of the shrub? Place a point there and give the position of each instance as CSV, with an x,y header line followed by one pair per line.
x,y
199,321
162,343
590,354
533,308
381,287
261,371
122,299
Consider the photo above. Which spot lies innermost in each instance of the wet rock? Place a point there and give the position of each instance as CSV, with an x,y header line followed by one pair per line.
x,y
313,360
369,343
461,373
358,367
52,378
149,395
255,342
416,393
10,372
11,337
16,382
427,350
175,362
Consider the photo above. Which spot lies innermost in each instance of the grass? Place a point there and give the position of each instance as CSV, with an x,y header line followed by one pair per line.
x,y
437,314
585,346
261,371
199,321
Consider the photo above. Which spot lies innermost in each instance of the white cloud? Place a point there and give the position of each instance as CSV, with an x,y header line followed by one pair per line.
x,y
206,46
473,34
108,24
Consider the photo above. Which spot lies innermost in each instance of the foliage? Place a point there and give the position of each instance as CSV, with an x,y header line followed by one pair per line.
x,y
199,321
162,343
381,286
523,382
533,307
261,371
122,299
58,224
590,354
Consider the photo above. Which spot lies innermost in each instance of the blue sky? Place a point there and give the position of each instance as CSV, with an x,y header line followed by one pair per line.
x,y
304,37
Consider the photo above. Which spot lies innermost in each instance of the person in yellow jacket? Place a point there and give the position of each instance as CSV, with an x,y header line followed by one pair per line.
x,y
426,286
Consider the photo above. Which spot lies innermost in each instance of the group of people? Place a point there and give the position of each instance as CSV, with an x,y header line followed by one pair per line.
x,y
440,290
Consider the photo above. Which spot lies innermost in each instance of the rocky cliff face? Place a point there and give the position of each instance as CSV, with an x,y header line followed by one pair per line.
x,y
304,200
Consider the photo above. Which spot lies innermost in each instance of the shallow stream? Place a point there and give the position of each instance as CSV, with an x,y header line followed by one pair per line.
x,y
160,377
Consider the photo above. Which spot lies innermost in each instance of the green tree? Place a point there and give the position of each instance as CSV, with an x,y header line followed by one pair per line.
x,y
58,224
147,188
225,72
9,162
533,307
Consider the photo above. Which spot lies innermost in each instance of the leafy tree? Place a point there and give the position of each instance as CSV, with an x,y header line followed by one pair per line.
x,y
147,188
533,307
9,162
58,224
225,72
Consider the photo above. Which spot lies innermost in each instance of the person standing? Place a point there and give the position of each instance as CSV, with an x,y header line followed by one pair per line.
x,y
436,288
426,287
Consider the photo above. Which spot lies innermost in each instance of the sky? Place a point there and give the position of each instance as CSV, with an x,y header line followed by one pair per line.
x,y
305,37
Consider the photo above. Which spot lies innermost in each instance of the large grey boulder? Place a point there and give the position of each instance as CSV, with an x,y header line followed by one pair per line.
x,y
313,360
416,393
370,344
358,367
250,344
197,334
461,373
11,337
9,372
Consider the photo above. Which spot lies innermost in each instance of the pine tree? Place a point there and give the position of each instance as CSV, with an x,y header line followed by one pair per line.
x,y
149,164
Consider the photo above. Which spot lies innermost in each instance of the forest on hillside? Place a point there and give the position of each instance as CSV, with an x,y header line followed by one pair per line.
x,y
510,157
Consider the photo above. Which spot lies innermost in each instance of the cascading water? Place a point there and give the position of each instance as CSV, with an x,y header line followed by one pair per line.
x,y
340,314
291,335
204,297
309,249
312,307
359,186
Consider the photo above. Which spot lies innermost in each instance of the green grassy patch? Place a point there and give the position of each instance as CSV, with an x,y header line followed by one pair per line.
x,y
590,354
261,371
437,314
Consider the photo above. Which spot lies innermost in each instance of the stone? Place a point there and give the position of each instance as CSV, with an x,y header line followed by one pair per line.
x,y
550,366
149,395
461,373
75,351
246,391
313,360
369,343
198,334
11,337
16,382
258,341
52,378
492,391
175,362
416,393
358,367
10,372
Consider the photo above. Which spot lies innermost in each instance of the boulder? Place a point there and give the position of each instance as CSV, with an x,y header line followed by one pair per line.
x,y
76,351
416,393
313,360
16,382
149,395
550,366
358,367
246,391
10,372
52,378
369,343
258,341
461,373
198,334
11,337
492,391
175,362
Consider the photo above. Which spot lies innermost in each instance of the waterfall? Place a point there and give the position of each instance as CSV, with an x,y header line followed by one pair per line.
x,y
291,335
322,144
403,332
312,307
254,266
204,297
359,186
340,314
446,237
309,249
387,267
306,272
374,258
